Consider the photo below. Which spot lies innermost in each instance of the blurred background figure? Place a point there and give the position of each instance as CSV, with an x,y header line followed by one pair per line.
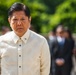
x,y
61,52
4,30
74,59
68,35
74,52
51,38
52,35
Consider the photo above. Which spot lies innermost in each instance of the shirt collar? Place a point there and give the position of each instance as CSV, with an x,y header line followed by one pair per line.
x,y
24,38
60,39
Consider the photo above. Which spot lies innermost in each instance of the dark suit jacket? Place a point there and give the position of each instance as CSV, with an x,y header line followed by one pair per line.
x,y
65,52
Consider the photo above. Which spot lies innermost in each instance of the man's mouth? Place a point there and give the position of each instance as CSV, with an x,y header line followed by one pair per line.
x,y
19,28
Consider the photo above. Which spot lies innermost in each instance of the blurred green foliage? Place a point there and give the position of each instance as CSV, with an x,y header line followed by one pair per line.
x,y
45,14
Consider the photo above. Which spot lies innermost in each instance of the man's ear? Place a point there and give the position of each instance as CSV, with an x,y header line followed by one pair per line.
x,y
30,19
29,22
9,19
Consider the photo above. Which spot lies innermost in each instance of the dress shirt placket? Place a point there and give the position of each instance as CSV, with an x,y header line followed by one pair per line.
x,y
20,57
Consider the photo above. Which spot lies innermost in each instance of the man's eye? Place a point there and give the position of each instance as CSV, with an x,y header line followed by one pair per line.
x,y
15,19
22,19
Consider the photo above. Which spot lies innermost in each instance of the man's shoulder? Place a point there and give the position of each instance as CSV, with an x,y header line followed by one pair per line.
x,y
6,36
37,36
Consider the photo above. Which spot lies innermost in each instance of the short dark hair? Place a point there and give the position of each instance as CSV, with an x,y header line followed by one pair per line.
x,y
60,26
19,7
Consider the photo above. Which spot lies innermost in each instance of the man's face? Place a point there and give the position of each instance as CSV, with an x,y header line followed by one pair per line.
x,y
19,22
60,32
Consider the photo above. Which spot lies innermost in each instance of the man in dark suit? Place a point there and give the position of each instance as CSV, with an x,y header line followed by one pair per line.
x,y
60,54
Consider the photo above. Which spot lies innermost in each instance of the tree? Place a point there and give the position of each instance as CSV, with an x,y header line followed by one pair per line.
x,y
37,12
65,14
46,14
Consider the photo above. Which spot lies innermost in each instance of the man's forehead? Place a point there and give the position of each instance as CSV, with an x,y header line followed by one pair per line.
x,y
18,15
59,29
18,12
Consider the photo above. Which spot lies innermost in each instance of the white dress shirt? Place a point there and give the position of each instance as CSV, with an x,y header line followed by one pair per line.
x,y
28,55
60,39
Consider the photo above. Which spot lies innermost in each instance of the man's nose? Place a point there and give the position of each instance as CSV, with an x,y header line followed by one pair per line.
x,y
19,22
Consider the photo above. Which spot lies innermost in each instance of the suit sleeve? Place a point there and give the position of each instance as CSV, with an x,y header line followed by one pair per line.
x,y
70,50
53,48
45,59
